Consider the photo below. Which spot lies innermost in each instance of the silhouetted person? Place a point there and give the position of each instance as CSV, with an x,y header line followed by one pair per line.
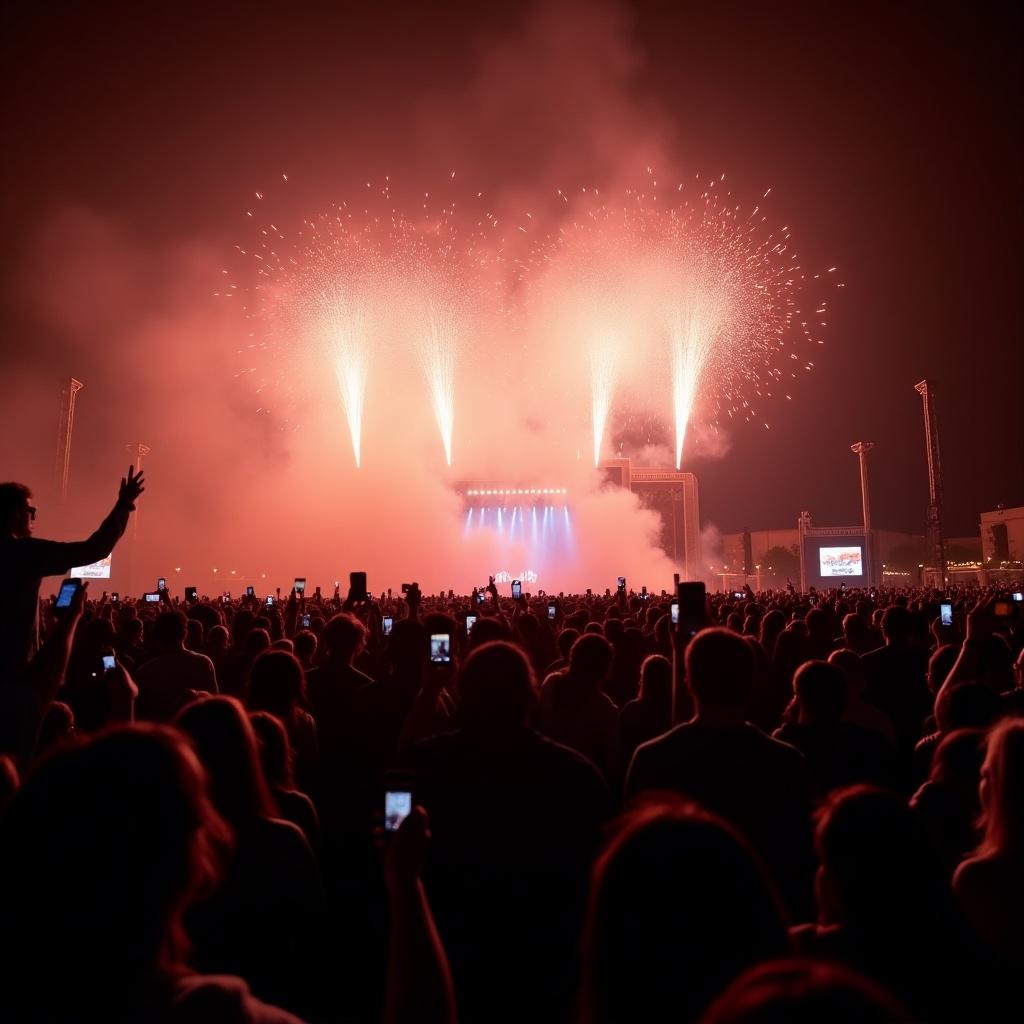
x,y
575,710
895,678
679,906
332,686
730,767
515,821
650,714
276,759
263,922
858,711
989,885
838,753
25,560
885,907
104,850
948,802
277,684
170,679
963,706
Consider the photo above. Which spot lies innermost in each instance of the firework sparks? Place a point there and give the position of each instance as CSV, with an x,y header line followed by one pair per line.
x,y
602,375
693,283
438,349
692,332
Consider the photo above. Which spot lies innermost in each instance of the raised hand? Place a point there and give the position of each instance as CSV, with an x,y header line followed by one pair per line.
x,y
131,487
980,620
407,851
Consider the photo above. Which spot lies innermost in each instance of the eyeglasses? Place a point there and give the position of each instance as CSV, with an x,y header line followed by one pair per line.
x,y
31,510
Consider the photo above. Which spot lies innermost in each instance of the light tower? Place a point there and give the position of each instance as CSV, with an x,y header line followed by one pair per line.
x,y
861,449
65,429
926,389
137,450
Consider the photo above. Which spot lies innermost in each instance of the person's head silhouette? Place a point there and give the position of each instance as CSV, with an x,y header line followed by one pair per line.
x,y
719,672
105,847
679,906
497,688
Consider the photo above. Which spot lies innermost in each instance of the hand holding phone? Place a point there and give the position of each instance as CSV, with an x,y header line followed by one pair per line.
x,y
67,596
397,799
440,648
692,599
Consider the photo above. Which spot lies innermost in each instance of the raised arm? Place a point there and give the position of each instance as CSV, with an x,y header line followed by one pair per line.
x,y
419,983
43,678
54,558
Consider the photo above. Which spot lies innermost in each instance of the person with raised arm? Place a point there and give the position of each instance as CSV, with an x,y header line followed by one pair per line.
x,y
25,560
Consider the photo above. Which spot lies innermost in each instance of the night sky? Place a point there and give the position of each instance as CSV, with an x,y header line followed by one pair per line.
x,y
890,135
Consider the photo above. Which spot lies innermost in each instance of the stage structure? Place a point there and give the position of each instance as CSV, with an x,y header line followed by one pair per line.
x,y
861,450
65,431
936,545
535,518
673,494
532,523
831,555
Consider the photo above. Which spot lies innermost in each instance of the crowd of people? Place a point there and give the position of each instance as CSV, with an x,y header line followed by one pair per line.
x,y
804,807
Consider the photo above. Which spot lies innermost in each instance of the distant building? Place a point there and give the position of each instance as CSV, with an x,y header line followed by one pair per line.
x,y
1002,538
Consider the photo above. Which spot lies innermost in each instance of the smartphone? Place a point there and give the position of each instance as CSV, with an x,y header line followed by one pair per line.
x,y
300,584
738,594
250,592
305,621
675,613
552,611
406,587
440,648
108,662
191,594
692,599
115,597
620,585
270,601
227,596
68,589
397,804
1018,596
946,613
161,583
517,589
357,586
470,623
389,624
152,597
480,597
